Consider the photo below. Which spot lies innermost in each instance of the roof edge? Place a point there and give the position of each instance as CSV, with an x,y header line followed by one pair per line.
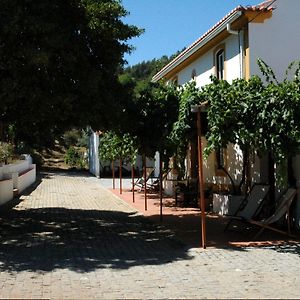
x,y
209,35
203,40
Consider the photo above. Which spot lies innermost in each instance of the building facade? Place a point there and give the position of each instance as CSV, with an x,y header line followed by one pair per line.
x,y
230,50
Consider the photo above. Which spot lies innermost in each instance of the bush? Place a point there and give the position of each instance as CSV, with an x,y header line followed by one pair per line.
x,y
76,157
71,137
76,137
6,152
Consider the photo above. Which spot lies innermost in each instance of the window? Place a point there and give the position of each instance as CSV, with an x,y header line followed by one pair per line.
x,y
220,162
220,58
220,158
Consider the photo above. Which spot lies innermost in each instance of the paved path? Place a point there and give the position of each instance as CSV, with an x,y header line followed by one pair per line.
x,y
71,238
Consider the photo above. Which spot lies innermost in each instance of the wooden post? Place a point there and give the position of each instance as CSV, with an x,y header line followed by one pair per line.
x,y
160,187
132,175
201,179
1,131
145,179
120,173
113,173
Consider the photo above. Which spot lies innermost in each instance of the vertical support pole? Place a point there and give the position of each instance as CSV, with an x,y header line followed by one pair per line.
x,y
145,179
120,172
160,187
132,175
289,221
113,173
1,131
201,180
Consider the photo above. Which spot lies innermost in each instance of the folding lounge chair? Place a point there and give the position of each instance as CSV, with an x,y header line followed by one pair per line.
x,y
140,182
154,182
252,205
283,209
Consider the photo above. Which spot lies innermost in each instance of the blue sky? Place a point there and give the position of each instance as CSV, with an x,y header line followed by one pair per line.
x,y
171,25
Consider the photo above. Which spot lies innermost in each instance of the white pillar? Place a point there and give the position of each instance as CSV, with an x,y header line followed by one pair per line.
x,y
156,164
94,163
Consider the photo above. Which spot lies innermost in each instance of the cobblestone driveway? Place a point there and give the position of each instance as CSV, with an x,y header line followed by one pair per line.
x,y
71,238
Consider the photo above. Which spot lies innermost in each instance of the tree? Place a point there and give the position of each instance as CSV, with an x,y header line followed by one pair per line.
x,y
58,64
184,129
114,146
150,116
256,116
143,72
278,120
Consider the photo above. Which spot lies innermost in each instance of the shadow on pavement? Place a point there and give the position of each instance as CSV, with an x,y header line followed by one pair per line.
x,y
186,223
187,228
45,239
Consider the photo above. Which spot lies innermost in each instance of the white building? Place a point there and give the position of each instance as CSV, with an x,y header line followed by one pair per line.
x,y
229,50
268,31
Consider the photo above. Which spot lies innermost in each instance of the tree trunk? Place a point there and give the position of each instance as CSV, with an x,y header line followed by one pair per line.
x,y
132,175
272,180
160,185
244,170
113,173
291,177
120,173
145,179
1,131
194,162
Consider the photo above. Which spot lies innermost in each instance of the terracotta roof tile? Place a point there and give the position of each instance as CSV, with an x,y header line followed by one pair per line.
x,y
266,5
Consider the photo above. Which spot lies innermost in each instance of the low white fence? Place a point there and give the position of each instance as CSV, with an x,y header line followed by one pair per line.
x,y
15,178
6,190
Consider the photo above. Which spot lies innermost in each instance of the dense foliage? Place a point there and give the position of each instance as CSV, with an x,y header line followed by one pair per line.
x,y
145,125
143,72
183,129
58,64
76,157
259,116
150,117
76,137
6,152
117,147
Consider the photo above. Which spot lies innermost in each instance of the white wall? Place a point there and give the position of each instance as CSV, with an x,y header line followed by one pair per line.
x,y
233,65
6,191
19,175
204,65
277,40
94,164
27,179
234,158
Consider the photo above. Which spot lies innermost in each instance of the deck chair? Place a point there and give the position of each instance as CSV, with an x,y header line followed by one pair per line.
x,y
283,209
140,182
251,205
154,182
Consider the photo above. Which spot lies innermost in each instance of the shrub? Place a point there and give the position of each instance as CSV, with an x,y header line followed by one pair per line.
x,y
76,157
71,137
76,137
6,152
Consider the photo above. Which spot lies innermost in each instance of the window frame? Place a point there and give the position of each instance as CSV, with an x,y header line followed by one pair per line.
x,y
219,169
220,52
